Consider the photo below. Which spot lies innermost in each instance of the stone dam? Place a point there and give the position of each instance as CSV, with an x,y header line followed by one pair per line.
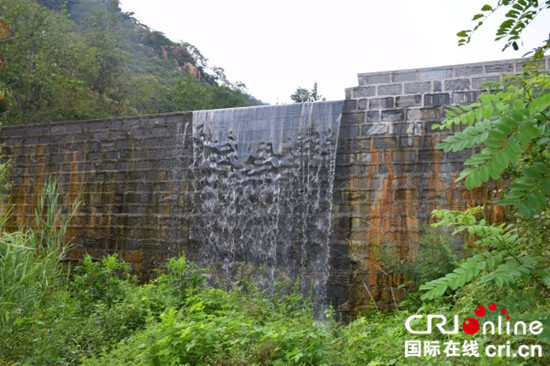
x,y
311,190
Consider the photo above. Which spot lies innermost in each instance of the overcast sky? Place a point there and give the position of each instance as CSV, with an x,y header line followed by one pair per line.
x,y
276,46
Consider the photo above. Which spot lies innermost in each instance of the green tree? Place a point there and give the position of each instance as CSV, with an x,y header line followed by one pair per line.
x,y
302,95
79,59
44,59
4,33
508,131
103,38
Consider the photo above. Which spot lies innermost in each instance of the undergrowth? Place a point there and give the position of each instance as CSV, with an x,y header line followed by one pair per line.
x,y
98,313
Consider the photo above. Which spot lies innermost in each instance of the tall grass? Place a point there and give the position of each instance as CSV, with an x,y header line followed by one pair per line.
x,y
30,270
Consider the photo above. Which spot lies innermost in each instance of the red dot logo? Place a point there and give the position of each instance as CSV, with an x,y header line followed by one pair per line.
x,y
503,311
492,306
470,326
480,311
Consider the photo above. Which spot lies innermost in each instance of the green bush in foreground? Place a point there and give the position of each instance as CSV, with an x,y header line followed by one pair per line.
x,y
97,314
103,317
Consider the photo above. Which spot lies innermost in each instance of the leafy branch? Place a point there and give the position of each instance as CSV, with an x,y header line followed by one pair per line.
x,y
502,260
510,131
519,14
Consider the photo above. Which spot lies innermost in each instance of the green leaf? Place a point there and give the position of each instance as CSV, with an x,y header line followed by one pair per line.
x,y
524,210
498,135
473,180
484,173
487,7
493,169
532,173
456,279
545,186
465,173
494,143
509,123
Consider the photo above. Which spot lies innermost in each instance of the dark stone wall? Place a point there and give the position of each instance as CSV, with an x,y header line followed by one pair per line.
x,y
137,188
132,175
390,176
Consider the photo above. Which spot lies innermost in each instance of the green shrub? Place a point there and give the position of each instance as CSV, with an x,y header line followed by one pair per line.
x,y
31,277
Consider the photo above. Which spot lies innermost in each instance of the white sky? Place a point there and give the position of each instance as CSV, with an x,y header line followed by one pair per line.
x,y
276,46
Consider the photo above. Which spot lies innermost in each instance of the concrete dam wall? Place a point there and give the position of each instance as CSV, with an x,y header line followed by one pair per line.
x,y
311,190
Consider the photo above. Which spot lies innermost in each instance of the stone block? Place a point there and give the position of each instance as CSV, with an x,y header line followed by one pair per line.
x,y
161,131
408,100
112,155
363,92
385,142
500,68
403,129
9,131
424,114
349,131
435,73
122,144
101,135
469,70
399,76
381,103
418,87
374,129
458,156
406,141
433,100
465,97
352,118
478,82
391,89
370,79
393,115
457,84
57,129
373,116
349,106
132,256
347,93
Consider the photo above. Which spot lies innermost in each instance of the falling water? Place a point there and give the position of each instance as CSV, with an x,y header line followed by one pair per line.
x,y
263,191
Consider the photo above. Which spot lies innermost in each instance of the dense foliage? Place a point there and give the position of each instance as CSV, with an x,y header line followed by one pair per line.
x,y
82,59
97,313
508,135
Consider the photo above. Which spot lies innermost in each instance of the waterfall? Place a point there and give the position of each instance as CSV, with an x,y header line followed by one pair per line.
x,y
263,191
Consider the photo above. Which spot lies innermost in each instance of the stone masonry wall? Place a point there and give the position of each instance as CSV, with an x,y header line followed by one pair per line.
x,y
390,176
132,175
137,189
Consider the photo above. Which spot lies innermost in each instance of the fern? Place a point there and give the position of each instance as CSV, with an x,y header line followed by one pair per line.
x,y
502,259
510,131
462,275
510,272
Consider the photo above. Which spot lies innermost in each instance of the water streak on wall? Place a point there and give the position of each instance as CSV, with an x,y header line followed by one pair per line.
x,y
265,178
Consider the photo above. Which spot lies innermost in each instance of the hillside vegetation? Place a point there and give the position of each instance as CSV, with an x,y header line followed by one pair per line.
x,y
80,59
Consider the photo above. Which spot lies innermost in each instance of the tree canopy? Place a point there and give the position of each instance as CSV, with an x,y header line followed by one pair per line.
x,y
82,59
302,95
